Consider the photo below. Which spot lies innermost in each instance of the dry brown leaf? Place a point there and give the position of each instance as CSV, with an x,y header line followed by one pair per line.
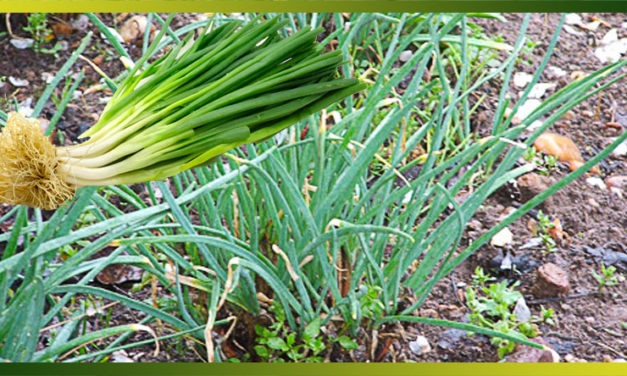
x,y
62,29
133,28
556,231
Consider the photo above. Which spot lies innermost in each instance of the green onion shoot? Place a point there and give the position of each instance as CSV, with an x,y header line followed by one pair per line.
x,y
231,85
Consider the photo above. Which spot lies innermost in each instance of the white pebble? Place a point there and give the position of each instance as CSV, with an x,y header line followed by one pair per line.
x,y
405,56
522,79
502,238
420,346
596,182
18,82
21,44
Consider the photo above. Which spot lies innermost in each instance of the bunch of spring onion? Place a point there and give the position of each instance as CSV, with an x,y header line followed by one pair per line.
x,y
235,84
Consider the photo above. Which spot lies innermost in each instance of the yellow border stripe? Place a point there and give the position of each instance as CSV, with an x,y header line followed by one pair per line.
x,y
327,369
311,5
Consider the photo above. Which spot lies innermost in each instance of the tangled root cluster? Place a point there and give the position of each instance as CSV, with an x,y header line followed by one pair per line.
x,y
29,167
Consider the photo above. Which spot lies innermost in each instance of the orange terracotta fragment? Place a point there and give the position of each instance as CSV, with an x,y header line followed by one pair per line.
x,y
563,148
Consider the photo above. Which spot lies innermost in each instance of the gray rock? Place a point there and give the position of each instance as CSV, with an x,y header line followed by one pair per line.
x,y
450,338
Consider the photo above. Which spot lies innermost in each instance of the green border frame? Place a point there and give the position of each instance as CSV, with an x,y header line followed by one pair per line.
x,y
357,369
313,5
343,369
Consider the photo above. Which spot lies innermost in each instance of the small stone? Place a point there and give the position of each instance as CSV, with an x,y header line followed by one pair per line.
x,y
616,192
522,312
592,26
502,238
533,126
63,45
532,226
527,354
531,243
405,56
62,29
44,124
609,38
570,115
420,346
590,320
21,44
556,71
25,107
587,113
454,312
566,307
551,281
571,30
18,82
596,182
593,203
531,185
540,89
611,50
81,22
573,19
607,358
47,77
569,358
516,120
115,274
619,182
506,263
527,108
449,338
522,79
562,347
121,357
620,151
474,224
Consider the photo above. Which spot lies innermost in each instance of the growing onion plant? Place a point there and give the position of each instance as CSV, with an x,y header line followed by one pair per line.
x,y
300,221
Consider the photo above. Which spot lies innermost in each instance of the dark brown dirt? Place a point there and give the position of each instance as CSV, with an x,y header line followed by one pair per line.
x,y
588,325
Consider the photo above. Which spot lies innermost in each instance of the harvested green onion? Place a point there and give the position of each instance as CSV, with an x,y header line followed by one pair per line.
x,y
235,84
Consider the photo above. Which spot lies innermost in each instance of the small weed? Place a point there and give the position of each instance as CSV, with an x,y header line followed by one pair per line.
x,y
481,278
278,341
545,164
527,53
544,224
40,32
370,303
38,29
546,315
607,277
492,307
